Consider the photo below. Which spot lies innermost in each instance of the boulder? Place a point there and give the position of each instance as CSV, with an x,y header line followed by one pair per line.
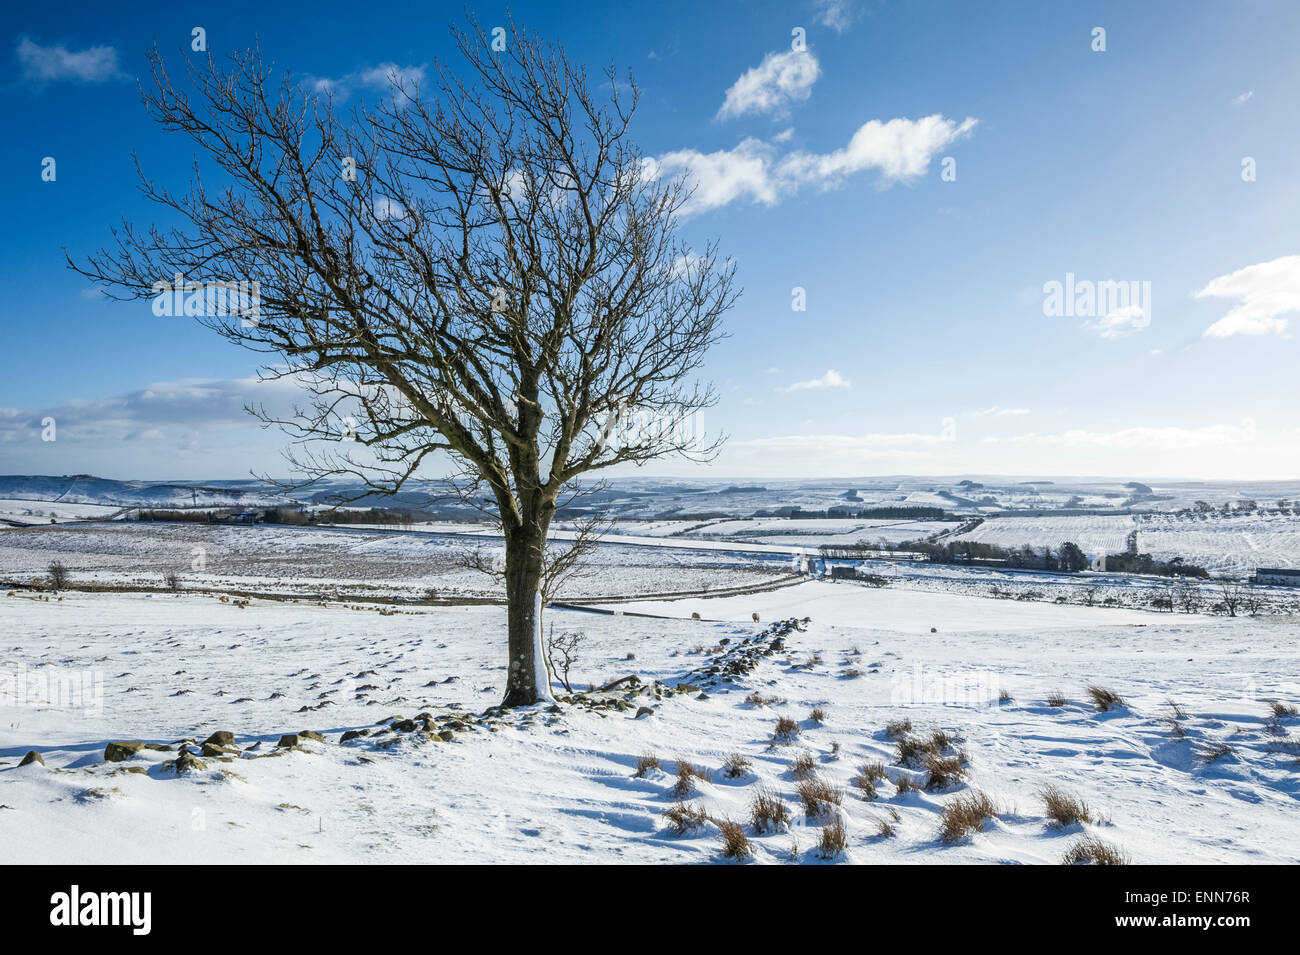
x,y
221,738
311,734
288,741
32,757
123,750
645,711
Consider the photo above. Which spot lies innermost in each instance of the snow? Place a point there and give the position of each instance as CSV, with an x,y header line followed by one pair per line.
x,y
562,787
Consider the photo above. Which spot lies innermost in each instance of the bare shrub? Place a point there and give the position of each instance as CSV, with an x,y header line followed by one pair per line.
x,y
687,773
818,715
1090,850
964,815
1056,699
885,829
1005,697
1282,710
1062,808
58,572
904,784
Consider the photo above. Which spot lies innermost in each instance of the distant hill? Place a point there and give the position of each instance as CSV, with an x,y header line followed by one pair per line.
x,y
88,489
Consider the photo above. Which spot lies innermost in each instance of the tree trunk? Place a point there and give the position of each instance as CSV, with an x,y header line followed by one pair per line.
x,y
527,678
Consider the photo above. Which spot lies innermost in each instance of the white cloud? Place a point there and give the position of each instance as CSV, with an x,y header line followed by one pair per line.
x,y
999,412
1268,292
900,150
832,379
43,64
1243,98
838,15
382,78
1122,321
781,80
721,177
1166,438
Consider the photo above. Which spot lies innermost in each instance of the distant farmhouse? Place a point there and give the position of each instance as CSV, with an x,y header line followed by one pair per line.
x,y
1278,577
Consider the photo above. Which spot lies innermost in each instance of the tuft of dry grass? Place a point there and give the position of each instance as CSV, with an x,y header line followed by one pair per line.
x,y
1215,753
735,844
904,784
804,766
683,818
736,765
1179,712
1176,729
1005,697
833,842
818,715
945,771
964,815
1104,699
1062,808
817,795
868,774
767,813
896,729
1090,850
885,829
645,763
851,673
687,773
1282,710
786,730
1056,699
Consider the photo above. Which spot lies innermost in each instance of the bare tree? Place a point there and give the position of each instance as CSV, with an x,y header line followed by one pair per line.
x,y
490,273
564,560
1231,597
562,654
58,575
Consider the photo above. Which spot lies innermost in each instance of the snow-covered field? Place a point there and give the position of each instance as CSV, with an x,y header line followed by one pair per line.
x,y
1097,535
1223,545
539,786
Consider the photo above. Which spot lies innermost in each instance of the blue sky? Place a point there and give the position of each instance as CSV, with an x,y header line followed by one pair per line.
x,y
924,347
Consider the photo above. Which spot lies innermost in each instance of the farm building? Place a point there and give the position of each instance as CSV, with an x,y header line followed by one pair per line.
x,y
1278,577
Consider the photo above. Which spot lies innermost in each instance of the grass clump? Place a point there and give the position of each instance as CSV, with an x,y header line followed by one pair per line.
x,y
767,813
834,840
735,765
817,796
804,766
645,763
965,815
735,844
1092,851
787,730
1062,808
1104,699
683,819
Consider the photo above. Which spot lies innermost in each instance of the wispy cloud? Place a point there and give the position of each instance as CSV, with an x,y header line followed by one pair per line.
x,y
1163,438
49,64
998,412
899,150
838,15
1243,98
1269,291
382,78
832,379
781,80
1126,320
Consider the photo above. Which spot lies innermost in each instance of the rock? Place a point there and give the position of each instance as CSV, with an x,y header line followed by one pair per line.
x,y
288,741
185,763
353,734
212,750
311,734
221,738
446,736
687,688
703,696
644,711
32,757
122,751
158,747
403,726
